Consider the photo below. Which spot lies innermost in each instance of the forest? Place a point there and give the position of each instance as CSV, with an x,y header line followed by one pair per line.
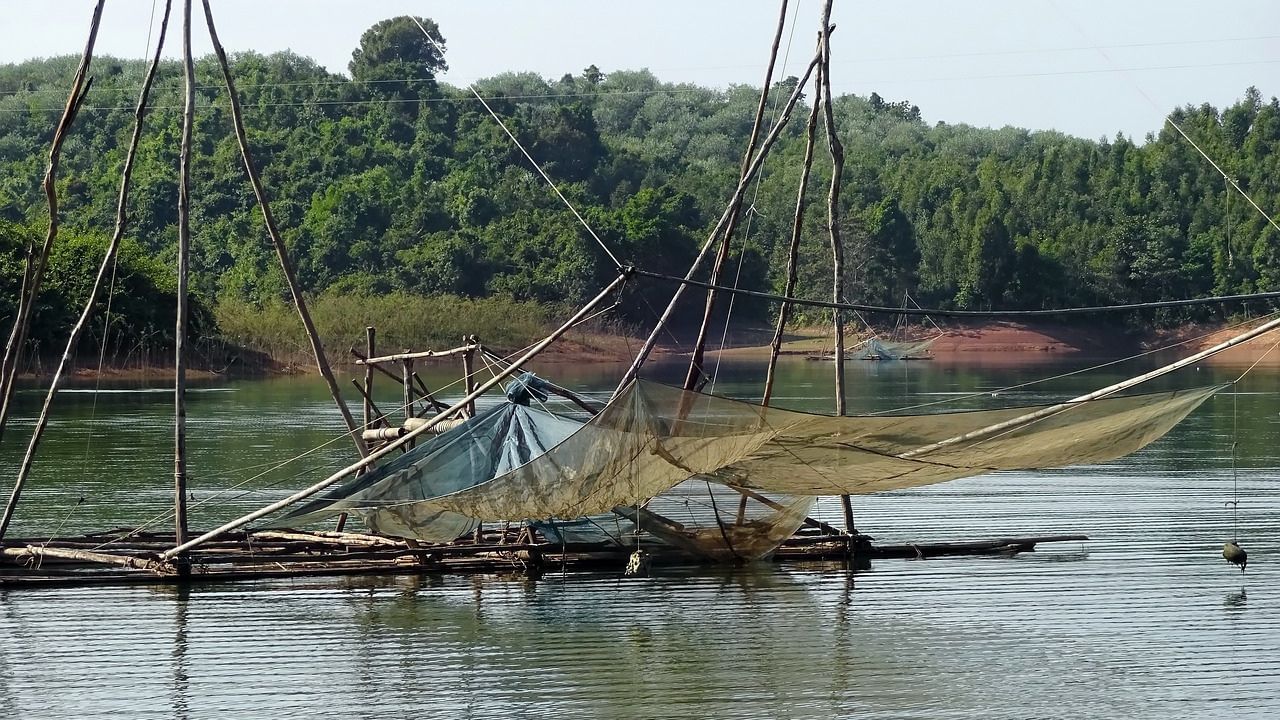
x,y
392,184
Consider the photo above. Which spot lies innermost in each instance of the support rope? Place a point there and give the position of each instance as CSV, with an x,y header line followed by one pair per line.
x,y
527,156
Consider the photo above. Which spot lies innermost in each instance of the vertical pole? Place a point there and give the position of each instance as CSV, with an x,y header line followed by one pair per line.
x,y
180,328
406,368
833,220
370,335
468,371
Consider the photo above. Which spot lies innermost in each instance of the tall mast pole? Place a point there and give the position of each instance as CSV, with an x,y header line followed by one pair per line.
x,y
184,244
833,221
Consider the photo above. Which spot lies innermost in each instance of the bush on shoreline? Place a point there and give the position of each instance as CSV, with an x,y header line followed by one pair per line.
x,y
403,320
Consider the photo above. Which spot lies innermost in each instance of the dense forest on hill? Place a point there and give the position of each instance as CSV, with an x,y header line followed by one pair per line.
x,y
389,181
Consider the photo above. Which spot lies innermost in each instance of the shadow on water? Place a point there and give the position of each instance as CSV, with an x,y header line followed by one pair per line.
x,y
1235,600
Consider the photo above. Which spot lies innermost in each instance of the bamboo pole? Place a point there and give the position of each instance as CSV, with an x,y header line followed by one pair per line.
x,y
370,342
693,380
468,370
774,133
406,374
38,552
384,451
833,221
793,252
33,270
467,347
180,327
1096,394
282,252
108,261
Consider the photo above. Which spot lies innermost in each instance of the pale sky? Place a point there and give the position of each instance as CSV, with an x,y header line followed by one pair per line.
x,y
1085,67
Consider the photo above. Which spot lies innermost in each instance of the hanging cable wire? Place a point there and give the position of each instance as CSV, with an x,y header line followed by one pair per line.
x,y
527,156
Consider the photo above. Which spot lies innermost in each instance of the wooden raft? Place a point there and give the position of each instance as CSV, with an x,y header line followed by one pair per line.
x,y
111,558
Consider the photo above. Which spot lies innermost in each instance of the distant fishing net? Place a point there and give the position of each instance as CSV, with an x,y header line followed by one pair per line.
x,y
516,463
876,349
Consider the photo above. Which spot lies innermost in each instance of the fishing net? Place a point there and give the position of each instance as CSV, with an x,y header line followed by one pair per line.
x,y
700,517
653,436
876,349
515,463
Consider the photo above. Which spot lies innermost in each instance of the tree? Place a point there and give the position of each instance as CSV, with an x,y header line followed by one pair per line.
x,y
396,59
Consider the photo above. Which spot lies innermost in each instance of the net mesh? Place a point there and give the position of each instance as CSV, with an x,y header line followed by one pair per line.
x,y
515,463
876,349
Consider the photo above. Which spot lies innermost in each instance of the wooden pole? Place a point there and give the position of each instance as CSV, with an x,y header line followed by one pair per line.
x,y
108,261
406,355
468,370
774,133
282,252
370,346
385,450
33,270
184,244
694,379
833,221
793,253
366,392
406,373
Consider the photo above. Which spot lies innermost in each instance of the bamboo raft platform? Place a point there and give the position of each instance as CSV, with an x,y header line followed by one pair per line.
x,y
101,559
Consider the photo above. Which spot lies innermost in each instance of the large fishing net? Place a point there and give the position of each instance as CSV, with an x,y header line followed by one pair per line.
x,y
517,463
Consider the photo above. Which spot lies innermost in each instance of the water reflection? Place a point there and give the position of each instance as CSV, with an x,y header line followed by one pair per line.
x,y
1141,622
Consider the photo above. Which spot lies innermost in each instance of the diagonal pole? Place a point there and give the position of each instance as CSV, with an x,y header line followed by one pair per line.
x,y
282,252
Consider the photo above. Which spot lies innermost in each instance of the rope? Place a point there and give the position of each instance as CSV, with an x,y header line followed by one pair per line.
x,y
941,56
1216,299
1235,478
527,156
1059,376
1169,118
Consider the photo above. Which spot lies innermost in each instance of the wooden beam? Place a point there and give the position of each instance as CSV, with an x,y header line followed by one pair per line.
x,y
421,355
282,252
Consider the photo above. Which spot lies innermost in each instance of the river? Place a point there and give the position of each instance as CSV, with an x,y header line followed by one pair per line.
x,y
1144,620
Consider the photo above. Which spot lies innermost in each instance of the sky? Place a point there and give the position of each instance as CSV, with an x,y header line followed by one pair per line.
x,y
1089,68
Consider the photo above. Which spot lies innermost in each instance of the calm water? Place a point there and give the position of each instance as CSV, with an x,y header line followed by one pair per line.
x,y
1143,621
